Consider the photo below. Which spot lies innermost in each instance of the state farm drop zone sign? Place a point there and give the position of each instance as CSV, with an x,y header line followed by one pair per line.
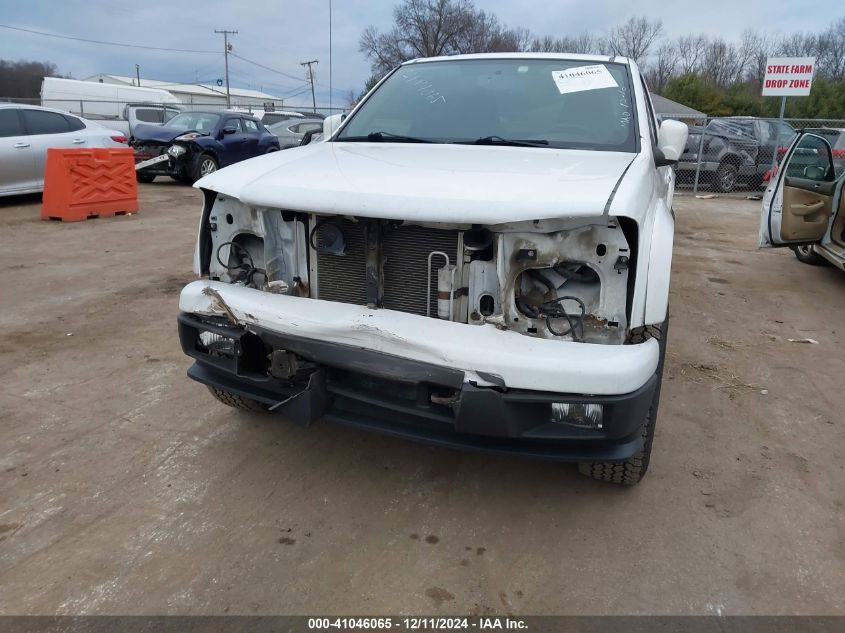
x,y
788,76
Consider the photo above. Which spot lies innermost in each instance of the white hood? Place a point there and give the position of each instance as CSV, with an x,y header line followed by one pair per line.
x,y
427,182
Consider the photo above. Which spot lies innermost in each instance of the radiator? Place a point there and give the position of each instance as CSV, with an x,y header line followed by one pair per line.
x,y
405,251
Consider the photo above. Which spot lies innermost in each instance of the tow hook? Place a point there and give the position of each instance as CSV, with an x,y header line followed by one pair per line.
x,y
307,405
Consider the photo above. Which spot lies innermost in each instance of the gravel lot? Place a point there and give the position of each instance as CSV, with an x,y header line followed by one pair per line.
x,y
126,489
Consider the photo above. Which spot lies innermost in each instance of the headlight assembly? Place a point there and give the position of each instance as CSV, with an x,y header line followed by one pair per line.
x,y
176,151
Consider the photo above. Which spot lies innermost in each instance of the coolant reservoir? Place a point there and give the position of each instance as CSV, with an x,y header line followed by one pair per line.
x,y
445,290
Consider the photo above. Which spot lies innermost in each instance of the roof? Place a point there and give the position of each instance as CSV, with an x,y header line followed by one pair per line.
x,y
569,56
667,107
204,90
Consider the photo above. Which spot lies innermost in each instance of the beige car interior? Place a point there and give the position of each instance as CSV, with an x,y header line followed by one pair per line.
x,y
837,232
805,213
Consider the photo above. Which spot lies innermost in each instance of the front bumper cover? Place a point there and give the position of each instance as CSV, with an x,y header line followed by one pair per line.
x,y
178,167
393,395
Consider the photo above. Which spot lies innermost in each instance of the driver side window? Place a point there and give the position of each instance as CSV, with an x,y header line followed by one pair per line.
x,y
235,123
812,160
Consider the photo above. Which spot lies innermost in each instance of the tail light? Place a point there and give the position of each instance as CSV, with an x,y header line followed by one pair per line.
x,y
119,138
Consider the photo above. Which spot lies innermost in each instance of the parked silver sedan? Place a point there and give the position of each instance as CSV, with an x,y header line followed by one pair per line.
x,y
27,131
290,132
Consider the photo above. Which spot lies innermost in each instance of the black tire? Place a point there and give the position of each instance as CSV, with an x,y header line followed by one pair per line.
x,y
205,164
756,182
806,255
235,401
632,470
145,178
726,177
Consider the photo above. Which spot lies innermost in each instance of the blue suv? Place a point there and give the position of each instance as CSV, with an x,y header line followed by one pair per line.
x,y
194,144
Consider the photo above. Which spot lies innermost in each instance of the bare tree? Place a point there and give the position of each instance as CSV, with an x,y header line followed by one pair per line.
x,y
428,28
485,33
831,63
22,79
584,43
720,62
690,50
635,37
798,45
757,49
660,69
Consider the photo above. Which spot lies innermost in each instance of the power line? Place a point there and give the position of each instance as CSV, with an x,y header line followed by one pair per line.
x,y
104,43
301,91
272,70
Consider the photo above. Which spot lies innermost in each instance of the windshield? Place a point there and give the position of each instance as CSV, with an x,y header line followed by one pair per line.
x,y
194,121
554,103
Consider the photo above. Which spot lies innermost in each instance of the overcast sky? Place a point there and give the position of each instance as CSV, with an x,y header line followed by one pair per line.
x,y
281,34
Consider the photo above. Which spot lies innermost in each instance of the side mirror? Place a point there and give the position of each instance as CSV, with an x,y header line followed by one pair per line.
x,y
229,130
308,137
815,172
330,124
671,141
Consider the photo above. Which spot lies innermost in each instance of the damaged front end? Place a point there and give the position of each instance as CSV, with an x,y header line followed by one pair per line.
x,y
512,335
566,280
174,158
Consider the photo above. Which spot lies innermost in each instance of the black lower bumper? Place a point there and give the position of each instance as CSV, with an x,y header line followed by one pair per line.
x,y
411,399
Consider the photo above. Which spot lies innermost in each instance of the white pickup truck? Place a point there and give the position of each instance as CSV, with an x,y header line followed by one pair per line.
x,y
135,114
477,257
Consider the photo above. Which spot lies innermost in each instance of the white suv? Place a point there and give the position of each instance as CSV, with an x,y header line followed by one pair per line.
x,y
478,257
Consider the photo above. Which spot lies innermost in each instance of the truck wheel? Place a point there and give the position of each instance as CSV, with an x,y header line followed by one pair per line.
x,y
235,401
147,178
726,177
632,470
806,255
206,164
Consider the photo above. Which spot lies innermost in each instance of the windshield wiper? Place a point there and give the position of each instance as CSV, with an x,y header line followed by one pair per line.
x,y
381,137
515,142
512,142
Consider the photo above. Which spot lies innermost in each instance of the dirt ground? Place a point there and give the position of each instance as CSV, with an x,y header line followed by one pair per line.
x,y
126,489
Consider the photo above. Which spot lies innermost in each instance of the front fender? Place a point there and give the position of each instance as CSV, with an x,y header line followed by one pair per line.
x,y
659,266
207,146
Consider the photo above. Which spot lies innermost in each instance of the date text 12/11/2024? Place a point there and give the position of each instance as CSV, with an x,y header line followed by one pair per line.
x,y
417,623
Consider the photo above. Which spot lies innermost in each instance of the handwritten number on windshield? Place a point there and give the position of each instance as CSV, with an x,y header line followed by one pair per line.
x,y
424,88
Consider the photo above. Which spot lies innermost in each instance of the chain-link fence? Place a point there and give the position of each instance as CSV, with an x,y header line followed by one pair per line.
x,y
735,155
95,110
723,155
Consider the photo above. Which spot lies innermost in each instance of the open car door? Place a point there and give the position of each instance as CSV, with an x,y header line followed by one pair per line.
x,y
798,208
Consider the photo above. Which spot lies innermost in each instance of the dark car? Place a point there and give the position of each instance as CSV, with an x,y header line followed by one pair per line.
x,y
195,144
733,151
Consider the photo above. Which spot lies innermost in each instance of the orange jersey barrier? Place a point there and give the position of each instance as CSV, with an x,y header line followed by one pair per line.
x,y
85,183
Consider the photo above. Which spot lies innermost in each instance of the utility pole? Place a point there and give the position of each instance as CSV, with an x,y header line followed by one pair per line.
x,y
226,49
138,74
311,79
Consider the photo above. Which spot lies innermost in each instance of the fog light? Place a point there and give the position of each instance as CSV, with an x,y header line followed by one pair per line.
x,y
176,150
588,416
218,343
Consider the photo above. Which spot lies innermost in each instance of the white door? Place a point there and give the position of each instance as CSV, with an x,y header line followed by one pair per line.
x,y
18,166
801,202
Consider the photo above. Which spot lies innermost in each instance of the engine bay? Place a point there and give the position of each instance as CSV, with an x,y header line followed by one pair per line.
x,y
565,280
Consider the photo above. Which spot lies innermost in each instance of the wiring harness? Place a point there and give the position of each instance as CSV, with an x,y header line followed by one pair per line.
x,y
552,310
246,266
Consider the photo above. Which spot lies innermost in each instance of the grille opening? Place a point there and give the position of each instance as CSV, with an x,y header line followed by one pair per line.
x,y
405,251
